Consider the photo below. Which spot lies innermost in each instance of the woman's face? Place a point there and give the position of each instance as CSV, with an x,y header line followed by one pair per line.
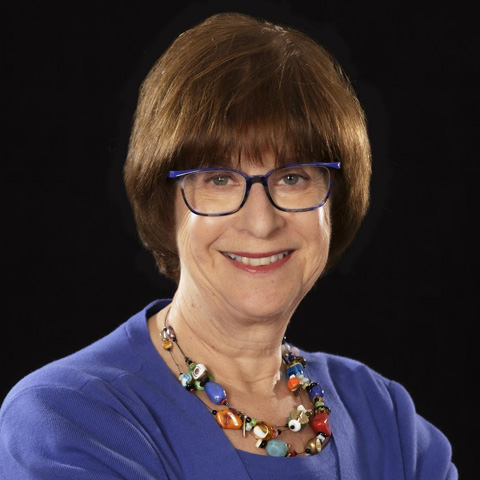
x,y
285,253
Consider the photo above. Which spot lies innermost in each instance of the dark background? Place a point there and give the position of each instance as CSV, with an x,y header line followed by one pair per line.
x,y
404,297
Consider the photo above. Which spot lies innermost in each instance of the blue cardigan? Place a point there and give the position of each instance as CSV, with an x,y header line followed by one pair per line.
x,y
115,411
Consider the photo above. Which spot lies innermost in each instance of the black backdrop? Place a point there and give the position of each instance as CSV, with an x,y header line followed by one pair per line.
x,y
404,297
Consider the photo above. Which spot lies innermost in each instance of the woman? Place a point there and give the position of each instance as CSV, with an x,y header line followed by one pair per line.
x,y
248,173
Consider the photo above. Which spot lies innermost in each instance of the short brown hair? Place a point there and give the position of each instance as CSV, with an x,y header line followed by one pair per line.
x,y
235,87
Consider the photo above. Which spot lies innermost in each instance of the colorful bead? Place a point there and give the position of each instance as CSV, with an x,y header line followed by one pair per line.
x,y
294,368
200,375
314,445
199,371
320,424
250,423
322,409
263,431
286,348
295,425
277,448
186,380
168,333
228,419
298,419
215,392
167,345
323,438
314,390
294,383
305,380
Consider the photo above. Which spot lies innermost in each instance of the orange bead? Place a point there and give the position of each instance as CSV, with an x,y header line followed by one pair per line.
x,y
263,431
294,384
229,419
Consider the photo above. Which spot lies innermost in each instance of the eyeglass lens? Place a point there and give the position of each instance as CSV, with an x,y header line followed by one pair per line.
x,y
223,191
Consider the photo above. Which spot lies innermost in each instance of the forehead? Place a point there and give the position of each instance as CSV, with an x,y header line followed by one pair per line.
x,y
260,161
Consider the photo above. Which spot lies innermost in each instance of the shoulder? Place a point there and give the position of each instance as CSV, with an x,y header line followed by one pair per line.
x,y
104,361
77,407
56,431
377,404
69,384
348,374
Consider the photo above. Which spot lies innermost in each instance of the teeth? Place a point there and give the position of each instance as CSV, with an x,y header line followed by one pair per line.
x,y
257,261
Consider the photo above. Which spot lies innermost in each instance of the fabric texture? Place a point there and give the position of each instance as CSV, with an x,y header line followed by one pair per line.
x,y
115,411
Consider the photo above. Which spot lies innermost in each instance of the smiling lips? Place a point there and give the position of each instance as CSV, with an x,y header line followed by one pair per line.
x,y
252,262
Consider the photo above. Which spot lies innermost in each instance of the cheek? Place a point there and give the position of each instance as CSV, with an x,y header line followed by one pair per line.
x,y
324,232
187,232
182,215
317,238
325,227
195,234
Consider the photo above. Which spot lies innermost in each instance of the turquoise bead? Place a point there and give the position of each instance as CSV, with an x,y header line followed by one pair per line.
x,y
215,392
294,368
277,448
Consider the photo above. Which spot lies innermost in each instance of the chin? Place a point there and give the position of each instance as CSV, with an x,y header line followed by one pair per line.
x,y
261,304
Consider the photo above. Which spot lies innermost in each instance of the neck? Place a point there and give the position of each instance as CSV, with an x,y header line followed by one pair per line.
x,y
242,352
245,358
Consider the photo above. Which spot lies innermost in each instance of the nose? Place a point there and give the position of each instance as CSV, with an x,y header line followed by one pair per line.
x,y
258,216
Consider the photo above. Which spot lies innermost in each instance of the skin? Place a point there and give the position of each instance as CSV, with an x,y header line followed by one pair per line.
x,y
233,319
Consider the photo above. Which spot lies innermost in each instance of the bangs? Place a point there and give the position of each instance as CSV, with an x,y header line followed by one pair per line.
x,y
248,133
244,104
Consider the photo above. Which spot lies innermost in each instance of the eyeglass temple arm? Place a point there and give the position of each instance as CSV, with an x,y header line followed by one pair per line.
x,y
180,173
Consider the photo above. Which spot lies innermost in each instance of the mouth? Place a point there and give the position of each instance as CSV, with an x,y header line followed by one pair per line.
x,y
258,260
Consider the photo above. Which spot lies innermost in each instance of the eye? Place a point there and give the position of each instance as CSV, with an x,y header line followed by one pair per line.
x,y
291,179
220,180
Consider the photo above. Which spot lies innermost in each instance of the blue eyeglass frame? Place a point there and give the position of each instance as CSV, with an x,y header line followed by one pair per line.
x,y
250,180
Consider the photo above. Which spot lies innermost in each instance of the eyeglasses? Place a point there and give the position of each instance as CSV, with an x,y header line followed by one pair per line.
x,y
215,192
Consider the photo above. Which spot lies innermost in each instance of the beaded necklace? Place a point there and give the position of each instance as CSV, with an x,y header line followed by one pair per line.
x,y
199,378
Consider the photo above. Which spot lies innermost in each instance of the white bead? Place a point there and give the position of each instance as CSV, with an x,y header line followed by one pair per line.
x,y
294,425
199,370
259,433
